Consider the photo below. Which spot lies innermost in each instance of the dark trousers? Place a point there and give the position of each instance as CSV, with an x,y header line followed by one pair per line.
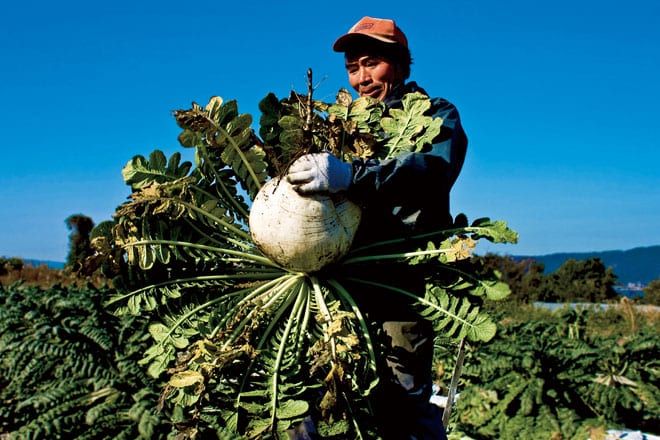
x,y
404,349
401,402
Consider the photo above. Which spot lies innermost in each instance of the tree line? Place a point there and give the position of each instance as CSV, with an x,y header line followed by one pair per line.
x,y
574,281
586,280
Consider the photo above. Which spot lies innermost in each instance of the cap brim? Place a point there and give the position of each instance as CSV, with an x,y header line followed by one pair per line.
x,y
345,42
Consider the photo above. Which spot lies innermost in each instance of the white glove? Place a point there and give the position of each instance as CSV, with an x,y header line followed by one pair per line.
x,y
319,172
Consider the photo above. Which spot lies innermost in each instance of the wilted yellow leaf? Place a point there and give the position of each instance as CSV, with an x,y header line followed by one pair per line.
x,y
185,379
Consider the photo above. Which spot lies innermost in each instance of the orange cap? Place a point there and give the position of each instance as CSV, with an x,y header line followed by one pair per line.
x,y
376,28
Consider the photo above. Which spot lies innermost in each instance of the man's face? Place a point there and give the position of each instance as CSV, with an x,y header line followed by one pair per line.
x,y
372,75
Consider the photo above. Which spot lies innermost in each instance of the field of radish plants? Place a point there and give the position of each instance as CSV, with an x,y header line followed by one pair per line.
x,y
207,329
70,369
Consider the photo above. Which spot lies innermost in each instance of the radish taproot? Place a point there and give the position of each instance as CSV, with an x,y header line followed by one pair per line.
x,y
302,233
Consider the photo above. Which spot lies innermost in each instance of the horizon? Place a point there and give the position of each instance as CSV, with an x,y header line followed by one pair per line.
x,y
633,275
62,262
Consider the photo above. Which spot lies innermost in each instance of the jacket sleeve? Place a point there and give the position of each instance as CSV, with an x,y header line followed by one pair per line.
x,y
410,179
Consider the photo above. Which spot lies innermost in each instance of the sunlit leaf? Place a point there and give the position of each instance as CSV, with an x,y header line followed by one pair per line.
x,y
185,378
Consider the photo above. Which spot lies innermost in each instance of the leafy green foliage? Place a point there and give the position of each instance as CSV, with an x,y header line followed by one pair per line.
x,y
69,368
652,293
550,379
408,127
223,140
141,171
246,347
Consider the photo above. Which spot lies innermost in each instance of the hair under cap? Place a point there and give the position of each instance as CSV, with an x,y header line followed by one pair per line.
x,y
380,29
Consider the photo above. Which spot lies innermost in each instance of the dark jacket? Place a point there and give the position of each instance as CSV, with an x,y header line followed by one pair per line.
x,y
400,196
410,192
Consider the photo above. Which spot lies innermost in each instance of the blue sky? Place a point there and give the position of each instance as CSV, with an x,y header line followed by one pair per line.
x,y
559,100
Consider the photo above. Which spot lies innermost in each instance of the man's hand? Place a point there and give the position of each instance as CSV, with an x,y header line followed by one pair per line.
x,y
319,172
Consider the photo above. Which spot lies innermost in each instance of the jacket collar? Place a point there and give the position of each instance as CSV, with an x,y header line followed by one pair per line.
x,y
394,98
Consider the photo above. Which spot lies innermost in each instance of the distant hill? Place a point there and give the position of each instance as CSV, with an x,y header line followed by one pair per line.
x,y
639,265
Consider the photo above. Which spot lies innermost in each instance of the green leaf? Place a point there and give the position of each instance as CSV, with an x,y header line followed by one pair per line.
x,y
456,317
158,331
158,357
140,172
365,112
249,165
290,409
221,113
290,123
190,139
270,114
494,231
496,290
408,128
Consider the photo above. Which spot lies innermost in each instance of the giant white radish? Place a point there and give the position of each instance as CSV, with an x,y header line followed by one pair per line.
x,y
302,233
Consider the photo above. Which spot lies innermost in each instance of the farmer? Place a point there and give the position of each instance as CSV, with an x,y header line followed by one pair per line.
x,y
402,196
